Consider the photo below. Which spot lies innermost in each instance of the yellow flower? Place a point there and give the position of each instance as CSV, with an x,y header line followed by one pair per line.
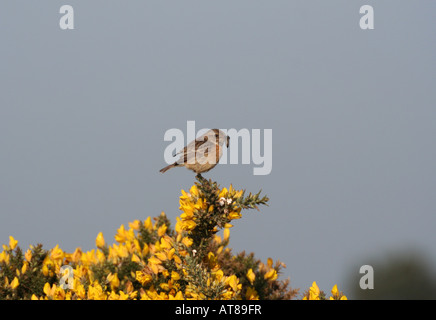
x,y
99,241
143,278
226,234
12,242
24,267
113,280
48,267
231,190
154,264
100,256
118,251
271,275
124,296
165,242
148,224
175,276
162,230
233,282
233,215
79,289
59,294
113,296
14,284
188,225
57,254
219,250
80,271
177,259
178,296
187,241
188,212
4,257
128,289
314,292
154,260
123,235
47,288
336,294
212,260
151,294
165,286
161,256
178,226
135,258
194,191
335,291
165,273
251,294
135,224
200,204
223,193
184,195
95,291
145,250
88,258
231,193
217,239
251,276
28,255
239,194
76,255
55,293
218,275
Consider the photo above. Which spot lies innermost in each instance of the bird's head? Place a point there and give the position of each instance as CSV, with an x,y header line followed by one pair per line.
x,y
220,137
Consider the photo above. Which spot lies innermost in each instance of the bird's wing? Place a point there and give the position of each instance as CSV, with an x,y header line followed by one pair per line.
x,y
188,152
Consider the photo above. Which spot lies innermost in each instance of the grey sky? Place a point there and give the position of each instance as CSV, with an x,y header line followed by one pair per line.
x,y
83,113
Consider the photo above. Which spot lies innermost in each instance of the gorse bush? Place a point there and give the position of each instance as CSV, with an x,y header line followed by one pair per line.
x,y
151,260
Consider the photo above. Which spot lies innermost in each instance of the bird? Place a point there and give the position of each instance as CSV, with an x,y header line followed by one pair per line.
x,y
202,154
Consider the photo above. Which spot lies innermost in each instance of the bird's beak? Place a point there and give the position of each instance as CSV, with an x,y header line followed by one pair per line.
x,y
228,141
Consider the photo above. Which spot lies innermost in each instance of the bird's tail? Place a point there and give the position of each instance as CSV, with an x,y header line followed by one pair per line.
x,y
163,170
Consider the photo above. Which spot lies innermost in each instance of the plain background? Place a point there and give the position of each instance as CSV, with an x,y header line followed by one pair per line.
x,y
83,113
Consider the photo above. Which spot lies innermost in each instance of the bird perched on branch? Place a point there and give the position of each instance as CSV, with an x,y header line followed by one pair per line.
x,y
202,154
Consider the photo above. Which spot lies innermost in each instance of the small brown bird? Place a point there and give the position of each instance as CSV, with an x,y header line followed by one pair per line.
x,y
202,154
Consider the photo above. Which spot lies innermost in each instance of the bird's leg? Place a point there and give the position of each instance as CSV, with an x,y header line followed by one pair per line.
x,y
199,177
